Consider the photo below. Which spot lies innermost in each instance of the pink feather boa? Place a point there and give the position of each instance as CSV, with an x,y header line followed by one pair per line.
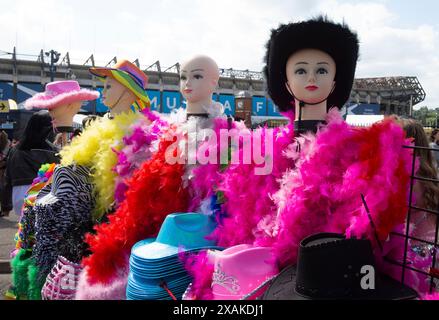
x,y
139,146
338,165
322,194
206,178
248,195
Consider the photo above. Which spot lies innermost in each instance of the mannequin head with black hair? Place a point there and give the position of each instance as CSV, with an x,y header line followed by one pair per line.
x,y
310,66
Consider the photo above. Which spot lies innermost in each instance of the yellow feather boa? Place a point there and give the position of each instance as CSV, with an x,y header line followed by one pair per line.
x,y
94,150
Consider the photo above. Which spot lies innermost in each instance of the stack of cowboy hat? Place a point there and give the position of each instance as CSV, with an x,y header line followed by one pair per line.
x,y
156,272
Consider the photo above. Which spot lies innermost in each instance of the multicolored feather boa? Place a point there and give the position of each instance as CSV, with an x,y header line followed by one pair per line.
x,y
94,150
322,193
155,190
139,146
247,200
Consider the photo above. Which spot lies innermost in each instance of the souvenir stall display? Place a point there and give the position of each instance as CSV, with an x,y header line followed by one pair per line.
x,y
308,72
63,99
159,187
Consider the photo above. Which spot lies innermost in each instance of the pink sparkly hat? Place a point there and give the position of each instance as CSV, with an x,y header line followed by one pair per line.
x,y
240,270
60,93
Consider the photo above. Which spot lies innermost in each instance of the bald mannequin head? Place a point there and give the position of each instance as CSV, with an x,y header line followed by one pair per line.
x,y
198,80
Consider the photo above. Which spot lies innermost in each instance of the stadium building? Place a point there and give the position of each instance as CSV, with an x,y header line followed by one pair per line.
x,y
242,92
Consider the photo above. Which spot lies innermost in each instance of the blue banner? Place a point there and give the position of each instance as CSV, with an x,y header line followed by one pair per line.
x,y
6,91
272,110
228,101
100,106
154,97
259,106
171,100
24,91
164,101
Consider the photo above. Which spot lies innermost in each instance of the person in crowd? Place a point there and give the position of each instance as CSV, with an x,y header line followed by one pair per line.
x,y
5,145
435,145
426,193
24,160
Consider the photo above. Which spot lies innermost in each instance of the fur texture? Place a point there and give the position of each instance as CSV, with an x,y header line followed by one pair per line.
x,y
45,101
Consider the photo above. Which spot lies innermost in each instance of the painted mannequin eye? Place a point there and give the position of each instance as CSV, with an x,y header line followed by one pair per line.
x,y
322,71
300,71
198,76
183,78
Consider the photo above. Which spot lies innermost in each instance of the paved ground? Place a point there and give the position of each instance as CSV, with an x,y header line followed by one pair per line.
x,y
8,227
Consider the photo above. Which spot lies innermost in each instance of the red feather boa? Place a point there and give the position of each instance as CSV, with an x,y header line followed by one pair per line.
x,y
155,191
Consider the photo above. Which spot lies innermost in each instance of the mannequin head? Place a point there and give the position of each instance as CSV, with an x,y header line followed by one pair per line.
x,y
117,97
199,77
310,78
63,99
62,116
124,86
335,40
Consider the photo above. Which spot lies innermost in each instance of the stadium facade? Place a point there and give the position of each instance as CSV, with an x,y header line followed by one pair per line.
x,y
21,78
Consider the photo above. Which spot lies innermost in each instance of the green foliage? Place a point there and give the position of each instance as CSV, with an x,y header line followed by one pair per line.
x,y
428,117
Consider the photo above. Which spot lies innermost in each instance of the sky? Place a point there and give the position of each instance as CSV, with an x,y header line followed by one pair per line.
x,y
397,37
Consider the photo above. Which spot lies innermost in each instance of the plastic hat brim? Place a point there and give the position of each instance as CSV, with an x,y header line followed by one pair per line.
x,y
44,101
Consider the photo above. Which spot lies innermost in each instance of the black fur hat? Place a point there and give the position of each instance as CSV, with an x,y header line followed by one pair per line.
x,y
320,33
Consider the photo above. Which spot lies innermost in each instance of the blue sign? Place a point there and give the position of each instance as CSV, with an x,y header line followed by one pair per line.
x,y
24,91
154,97
100,106
171,100
27,90
259,106
228,101
6,90
364,109
165,101
272,109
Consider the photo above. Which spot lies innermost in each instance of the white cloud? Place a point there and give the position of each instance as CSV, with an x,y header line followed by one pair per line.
x,y
389,50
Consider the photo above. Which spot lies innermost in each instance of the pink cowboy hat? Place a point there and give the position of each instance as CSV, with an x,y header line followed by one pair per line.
x,y
60,93
240,270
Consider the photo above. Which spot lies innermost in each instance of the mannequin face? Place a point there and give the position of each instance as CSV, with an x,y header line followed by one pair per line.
x,y
310,75
63,115
114,92
198,79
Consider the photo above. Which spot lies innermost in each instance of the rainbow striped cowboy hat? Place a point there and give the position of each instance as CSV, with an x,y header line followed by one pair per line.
x,y
130,76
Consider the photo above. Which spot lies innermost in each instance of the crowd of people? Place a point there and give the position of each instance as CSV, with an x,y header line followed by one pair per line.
x,y
130,208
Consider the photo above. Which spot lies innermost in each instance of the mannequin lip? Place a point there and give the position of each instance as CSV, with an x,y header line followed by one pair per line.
x,y
187,90
311,88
